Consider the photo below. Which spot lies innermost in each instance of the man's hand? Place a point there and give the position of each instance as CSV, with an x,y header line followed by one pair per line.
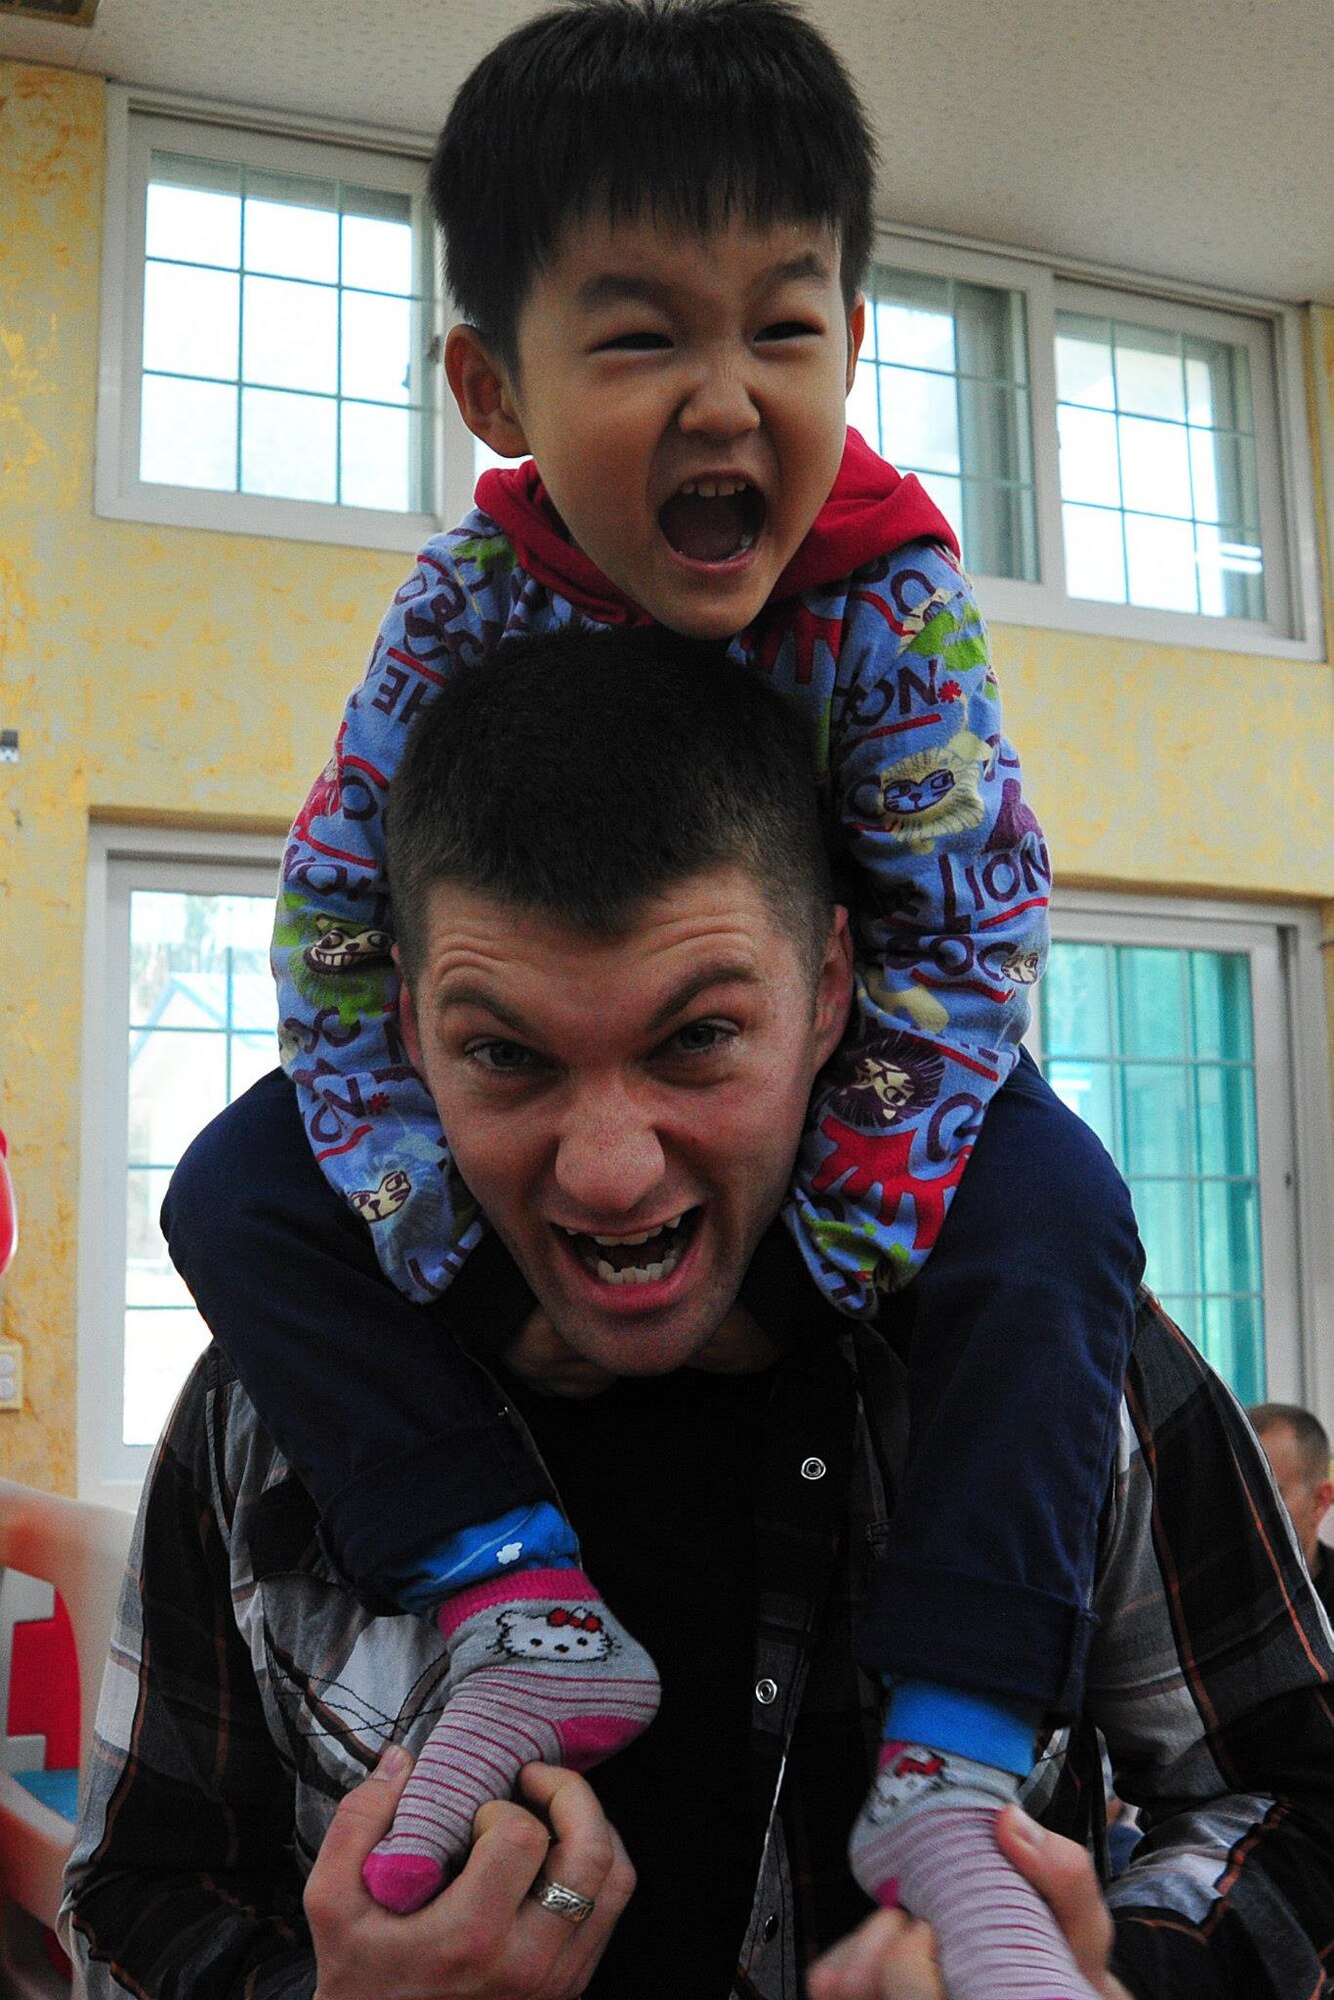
x,y
893,1957
483,1938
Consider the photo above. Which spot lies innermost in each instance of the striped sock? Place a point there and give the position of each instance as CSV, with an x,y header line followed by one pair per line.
x,y
539,1672
926,1839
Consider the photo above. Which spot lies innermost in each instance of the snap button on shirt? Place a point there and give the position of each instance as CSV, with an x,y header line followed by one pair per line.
x,y
813,1468
766,1691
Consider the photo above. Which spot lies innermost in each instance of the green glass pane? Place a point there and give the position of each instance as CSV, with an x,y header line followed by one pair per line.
x,y
1233,1342
1152,984
1159,1139
1230,1235
1220,984
1165,1211
1225,1119
1076,1017
1087,1088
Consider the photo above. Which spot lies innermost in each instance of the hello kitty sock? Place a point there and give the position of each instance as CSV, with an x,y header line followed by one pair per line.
x,y
926,1839
539,1672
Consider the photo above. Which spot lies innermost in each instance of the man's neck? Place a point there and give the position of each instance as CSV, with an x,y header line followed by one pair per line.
x,y
548,1364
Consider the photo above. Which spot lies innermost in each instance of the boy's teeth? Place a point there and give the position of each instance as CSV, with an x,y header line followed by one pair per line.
x,y
714,489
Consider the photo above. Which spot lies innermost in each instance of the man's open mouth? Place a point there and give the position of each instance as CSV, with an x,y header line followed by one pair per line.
x,y
635,1260
713,520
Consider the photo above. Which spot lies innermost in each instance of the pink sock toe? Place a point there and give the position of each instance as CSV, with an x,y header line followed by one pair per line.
x,y
402,1882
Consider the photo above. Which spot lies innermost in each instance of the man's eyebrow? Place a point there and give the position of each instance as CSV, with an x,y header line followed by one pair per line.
x,y
460,993
724,972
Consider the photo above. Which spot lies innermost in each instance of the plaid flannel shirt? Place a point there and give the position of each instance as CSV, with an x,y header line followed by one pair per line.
x,y
248,1689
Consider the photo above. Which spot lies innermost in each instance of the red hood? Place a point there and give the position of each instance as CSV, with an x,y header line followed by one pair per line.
x,y
871,510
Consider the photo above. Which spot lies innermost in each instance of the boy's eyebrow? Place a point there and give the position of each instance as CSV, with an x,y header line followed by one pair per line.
x,y
611,288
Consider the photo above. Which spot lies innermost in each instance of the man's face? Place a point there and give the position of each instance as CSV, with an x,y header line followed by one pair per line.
x,y
684,398
626,1111
1308,1500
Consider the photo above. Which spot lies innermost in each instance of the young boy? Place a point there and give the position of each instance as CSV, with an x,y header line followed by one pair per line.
x,y
656,218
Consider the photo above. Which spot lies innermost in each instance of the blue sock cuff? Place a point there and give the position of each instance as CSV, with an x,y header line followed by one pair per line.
x,y
537,1537
971,1725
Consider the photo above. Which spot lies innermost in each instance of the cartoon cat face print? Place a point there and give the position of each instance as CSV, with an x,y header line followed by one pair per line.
x,y
564,1633
339,946
928,794
377,1203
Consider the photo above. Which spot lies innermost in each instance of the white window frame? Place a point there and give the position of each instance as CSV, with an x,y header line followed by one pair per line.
x,y
139,122
121,859
1292,1080
1272,334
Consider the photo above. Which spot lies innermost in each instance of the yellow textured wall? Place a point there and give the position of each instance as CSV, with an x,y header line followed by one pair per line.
x,y
171,671
149,670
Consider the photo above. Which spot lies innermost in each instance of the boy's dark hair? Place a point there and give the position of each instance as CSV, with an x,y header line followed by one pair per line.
x,y
582,773
687,111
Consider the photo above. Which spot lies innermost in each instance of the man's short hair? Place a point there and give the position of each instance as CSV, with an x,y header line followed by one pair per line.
x,y
1308,1433
582,773
686,111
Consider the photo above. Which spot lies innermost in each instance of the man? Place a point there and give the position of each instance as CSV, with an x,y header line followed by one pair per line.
x,y
1297,1447
626,970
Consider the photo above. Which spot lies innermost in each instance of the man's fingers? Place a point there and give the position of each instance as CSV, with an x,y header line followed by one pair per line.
x,y
363,1817
890,1957
585,1849
1063,1876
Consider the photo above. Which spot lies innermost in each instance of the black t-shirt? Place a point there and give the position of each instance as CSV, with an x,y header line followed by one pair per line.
x,y
659,1478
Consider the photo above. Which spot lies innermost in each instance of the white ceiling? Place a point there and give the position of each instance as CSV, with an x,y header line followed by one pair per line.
x,y
1192,139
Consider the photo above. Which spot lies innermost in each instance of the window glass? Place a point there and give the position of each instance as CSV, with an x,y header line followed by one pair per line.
x,y
202,1029
1159,491
942,390
268,300
1154,1048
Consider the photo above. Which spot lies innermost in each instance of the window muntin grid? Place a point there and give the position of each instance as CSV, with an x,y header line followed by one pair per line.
x,y
283,335
1159,489
942,390
1154,1048
202,1028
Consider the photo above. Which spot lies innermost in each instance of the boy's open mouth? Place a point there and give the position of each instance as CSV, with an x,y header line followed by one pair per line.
x,y
712,520
637,1260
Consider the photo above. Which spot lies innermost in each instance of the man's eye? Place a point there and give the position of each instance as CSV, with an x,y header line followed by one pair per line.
x,y
505,1058
700,1036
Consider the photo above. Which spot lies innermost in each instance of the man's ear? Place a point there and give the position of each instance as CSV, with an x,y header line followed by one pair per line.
x,y
407,1016
481,388
833,992
1324,1497
856,334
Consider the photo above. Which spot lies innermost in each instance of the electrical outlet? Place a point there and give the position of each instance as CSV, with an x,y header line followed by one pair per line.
x,y
11,1375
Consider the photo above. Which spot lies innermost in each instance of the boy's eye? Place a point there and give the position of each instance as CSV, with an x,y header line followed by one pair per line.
x,y
641,342
789,329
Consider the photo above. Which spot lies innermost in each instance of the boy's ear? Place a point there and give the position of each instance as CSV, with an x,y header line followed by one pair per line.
x,y
481,389
856,334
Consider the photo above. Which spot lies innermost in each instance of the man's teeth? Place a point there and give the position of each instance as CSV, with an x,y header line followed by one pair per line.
x,y
631,1274
715,489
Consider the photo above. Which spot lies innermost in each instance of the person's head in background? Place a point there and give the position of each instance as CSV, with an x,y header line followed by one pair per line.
x,y
1297,1447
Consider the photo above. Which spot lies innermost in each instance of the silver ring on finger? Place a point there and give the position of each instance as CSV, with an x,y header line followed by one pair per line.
x,y
562,1902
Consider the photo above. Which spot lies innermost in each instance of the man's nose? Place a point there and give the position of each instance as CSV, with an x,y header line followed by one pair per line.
x,y
609,1157
720,403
